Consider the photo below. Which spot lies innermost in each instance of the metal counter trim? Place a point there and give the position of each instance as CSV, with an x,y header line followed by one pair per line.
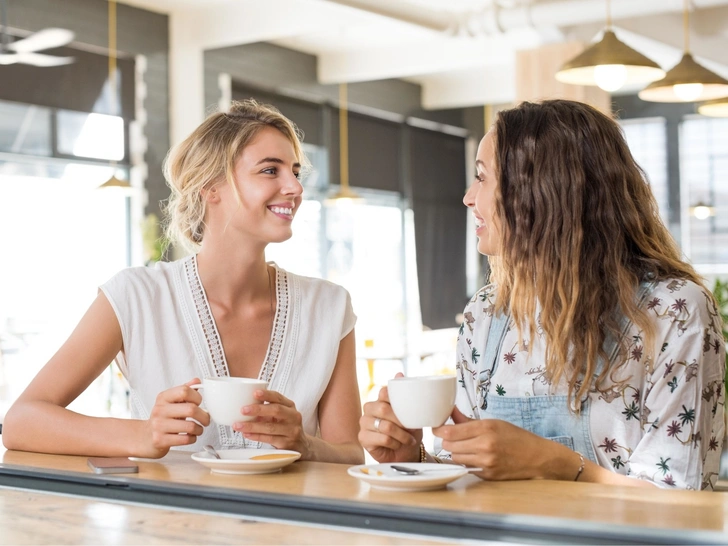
x,y
348,514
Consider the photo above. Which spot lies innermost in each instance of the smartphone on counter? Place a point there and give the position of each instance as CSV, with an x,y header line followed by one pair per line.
x,y
112,465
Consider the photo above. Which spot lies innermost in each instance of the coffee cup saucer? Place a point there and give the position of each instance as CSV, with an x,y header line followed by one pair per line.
x,y
432,476
247,461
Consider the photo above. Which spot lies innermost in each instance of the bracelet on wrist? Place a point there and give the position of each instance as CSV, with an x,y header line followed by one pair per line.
x,y
581,466
423,453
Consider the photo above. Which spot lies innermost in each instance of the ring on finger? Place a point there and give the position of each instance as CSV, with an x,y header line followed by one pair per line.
x,y
377,422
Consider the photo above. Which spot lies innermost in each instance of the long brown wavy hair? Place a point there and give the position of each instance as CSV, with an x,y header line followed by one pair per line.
x,y
580,229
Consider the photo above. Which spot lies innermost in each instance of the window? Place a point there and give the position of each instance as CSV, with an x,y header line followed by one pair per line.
x,y
704,181
66,237
359,246
365,254
70,238
647,141
25,129
96,136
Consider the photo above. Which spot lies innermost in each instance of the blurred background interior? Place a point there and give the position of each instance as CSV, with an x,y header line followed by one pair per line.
x,y
393,97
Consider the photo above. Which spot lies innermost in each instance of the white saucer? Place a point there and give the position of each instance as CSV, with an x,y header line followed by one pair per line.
x,y
245,461
434,476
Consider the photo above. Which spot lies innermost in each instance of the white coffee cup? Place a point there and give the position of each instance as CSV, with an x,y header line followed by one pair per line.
x,y
224,397
425,401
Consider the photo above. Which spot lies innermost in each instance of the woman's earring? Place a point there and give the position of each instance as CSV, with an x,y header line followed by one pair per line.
x,y
210,194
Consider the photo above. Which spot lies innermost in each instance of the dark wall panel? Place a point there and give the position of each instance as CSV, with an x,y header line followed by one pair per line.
x,y
76,86
374,144
438,185
374,152
306,115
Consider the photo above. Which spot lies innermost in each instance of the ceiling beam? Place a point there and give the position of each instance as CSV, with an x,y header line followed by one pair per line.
x,y
242,22
435,56
490,17
235,22
494,85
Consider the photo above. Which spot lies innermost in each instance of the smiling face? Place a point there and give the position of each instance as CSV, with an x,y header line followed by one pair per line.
x,y
268,190
480,197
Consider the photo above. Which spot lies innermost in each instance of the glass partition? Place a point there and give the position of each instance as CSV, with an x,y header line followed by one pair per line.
x,y
96,136
704,176
25,129
64,238
360,247
647,141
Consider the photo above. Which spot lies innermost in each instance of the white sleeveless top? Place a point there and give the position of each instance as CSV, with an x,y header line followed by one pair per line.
x,y
169,337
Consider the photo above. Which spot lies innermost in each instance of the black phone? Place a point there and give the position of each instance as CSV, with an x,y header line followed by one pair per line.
x,y
112,465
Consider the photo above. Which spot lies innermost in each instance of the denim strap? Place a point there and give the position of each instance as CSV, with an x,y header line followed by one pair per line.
x,y
489,362
499,328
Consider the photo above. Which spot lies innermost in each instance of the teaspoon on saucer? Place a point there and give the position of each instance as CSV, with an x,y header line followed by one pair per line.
x,y
414,472
211,451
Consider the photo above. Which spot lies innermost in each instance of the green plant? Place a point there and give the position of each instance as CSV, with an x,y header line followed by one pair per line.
x,y
720,291
155,244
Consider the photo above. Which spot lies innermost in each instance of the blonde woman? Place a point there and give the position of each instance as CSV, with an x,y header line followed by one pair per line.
x,y
221,311
596,352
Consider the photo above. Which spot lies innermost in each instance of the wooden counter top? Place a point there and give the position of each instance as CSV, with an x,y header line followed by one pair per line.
x,y
32,517
580,505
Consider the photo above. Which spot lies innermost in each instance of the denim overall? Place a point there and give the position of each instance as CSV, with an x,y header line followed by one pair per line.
x,y
547,416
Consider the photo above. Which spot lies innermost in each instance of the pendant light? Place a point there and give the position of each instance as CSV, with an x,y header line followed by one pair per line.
x,y
609,64
345,195
715,108
113,182
702,211
688,81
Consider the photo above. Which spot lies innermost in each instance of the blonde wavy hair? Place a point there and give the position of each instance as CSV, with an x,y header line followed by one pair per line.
x,y
580,229
207,157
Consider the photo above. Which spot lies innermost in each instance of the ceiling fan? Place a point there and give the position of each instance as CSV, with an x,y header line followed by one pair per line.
x,y
25,50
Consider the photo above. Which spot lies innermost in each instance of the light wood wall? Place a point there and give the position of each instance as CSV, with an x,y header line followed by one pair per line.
x,y
535,80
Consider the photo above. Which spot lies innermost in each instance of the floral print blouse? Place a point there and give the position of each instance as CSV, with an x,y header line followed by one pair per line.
x,y
661,421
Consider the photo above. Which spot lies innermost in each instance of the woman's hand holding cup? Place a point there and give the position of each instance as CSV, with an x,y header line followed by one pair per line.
x,y
259,414
175,420
274,420
383,436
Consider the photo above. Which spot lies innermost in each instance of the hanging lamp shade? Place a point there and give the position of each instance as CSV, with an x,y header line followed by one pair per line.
x,y
688,81
715,108
114,182
344,194
609,64
702,211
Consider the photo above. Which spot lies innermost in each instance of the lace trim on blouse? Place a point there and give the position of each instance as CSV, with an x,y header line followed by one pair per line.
x,y
209,328
214,344
279,327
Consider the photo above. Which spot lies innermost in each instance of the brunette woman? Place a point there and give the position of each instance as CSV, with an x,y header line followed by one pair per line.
x,y
595,353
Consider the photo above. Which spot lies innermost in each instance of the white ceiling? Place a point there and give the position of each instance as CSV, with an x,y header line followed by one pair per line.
x,y
462,52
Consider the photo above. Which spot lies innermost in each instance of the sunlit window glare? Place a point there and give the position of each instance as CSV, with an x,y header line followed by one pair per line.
x,y
101,137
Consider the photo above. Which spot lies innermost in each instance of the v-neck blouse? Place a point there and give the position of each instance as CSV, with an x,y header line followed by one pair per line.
x,y
170,336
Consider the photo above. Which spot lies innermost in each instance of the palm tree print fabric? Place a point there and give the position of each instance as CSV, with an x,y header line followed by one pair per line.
x,y
659,419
